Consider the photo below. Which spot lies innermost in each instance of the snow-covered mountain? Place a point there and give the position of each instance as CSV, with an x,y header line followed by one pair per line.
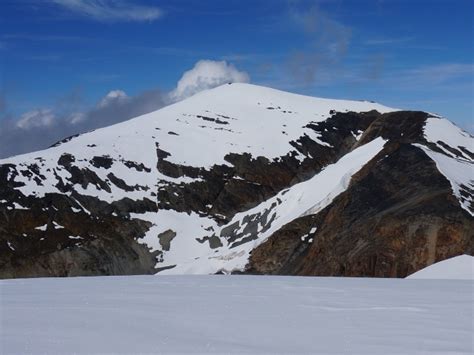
x,y
243,178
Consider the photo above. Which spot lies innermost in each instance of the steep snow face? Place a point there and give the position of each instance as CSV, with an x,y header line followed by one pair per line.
x,y
438,129
235,315
456,162
250,228
460,173
458,268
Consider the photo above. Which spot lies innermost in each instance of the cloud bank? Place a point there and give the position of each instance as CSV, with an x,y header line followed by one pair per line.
x,y
42,127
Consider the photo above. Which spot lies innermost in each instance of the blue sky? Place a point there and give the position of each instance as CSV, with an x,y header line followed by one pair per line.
x,y
66,55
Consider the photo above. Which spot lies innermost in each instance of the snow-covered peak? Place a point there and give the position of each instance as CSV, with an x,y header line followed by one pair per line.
x,y
201,130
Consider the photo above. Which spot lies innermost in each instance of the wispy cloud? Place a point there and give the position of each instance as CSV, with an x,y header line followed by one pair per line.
x,y
442,72
35,37
327,43
175,51
387,41
45,57
405,42
111,10
246,56
438,75
101,78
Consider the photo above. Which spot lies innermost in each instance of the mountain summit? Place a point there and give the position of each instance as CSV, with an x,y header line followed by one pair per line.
x,y
245,179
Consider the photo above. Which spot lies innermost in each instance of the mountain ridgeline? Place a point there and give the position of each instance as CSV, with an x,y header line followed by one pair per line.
x,y
243,179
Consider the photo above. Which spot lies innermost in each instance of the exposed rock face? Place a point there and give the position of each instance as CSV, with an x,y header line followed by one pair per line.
x,y
251,180
386,224
141,199
53,237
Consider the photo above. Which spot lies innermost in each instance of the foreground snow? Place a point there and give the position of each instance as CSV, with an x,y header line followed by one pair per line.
x,y
458,268
230,314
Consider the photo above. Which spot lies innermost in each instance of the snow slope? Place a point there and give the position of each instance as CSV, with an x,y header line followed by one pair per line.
x,y
235,314
457,168
296,201
457,268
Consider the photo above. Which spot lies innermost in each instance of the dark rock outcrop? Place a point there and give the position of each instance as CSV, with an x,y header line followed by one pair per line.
x,y
397,216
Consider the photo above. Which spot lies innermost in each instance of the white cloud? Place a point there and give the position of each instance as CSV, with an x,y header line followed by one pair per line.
x,y
77,117
111,10
113,97
207,74
36,118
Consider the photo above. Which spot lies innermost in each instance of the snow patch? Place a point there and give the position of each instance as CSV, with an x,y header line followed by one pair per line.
x,y
42,228
459,173
17,206
440,129
458,268
75,237
57,226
